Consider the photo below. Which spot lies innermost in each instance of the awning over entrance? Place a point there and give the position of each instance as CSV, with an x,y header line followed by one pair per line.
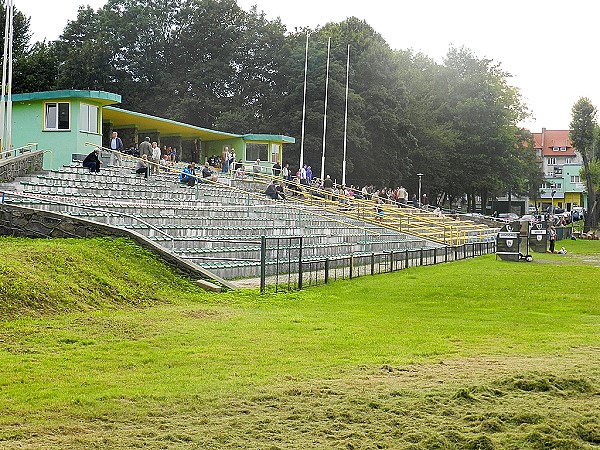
x,y
121,118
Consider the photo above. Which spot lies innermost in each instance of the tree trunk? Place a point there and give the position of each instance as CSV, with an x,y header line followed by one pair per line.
x,y
484,200
591,218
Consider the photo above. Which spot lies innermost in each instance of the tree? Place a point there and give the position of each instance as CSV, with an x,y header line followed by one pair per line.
x,y
483,110
583,125
38,69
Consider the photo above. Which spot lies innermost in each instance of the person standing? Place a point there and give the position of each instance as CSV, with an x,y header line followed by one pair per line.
x,y
225,160
155,157
552,237
195,151
286,172
145,148
116,144
276,169
328,187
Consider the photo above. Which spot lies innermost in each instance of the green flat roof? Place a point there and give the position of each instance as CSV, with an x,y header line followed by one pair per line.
x,y
122,118
269,137
106,98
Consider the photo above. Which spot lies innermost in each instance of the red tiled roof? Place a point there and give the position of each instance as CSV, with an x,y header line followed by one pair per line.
x,y
553,138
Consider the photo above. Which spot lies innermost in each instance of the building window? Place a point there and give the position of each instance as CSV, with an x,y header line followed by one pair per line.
x,y
563,149
554,149
568,160
257,151
57,116
88,118
575,179
551,161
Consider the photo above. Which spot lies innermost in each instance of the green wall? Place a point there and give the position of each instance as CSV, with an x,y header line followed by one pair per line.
x,y
28,127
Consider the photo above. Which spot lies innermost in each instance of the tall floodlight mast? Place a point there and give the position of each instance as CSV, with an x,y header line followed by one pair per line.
x,y
346,119
10,74
4,74
325,115
304,105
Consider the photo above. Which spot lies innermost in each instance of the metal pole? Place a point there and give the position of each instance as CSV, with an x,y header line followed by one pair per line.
x,y
325,115
4,71
346,118
304,104
300,266
8,137
419,199
263,263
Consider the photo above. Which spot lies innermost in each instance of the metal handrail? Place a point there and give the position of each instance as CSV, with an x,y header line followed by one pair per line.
x,y
57,202
27,147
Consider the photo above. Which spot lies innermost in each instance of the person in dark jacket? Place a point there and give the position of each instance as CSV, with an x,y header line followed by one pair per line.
x,y
271,191
92,162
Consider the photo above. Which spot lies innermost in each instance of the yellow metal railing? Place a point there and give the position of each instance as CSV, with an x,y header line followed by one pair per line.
x,y
425,224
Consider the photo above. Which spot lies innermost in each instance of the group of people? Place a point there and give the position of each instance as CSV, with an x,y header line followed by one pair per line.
x,y
189,177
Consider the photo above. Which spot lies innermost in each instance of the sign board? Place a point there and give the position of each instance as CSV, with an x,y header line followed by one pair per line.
x,y
507,245
538,237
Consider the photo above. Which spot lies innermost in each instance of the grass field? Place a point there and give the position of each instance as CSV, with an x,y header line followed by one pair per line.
x,y
102,346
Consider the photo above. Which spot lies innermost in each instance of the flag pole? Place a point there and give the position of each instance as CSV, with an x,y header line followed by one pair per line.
x,y
10,75
304,104
325,114
4,72
346,118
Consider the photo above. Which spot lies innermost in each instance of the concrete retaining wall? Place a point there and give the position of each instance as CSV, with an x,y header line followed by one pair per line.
x,y
16,166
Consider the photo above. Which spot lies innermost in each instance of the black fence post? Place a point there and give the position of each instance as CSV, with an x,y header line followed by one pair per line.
x,y
391,260
434,256
445,254
372,263
326,270
351,265
406,259
263,263
300,265
421,257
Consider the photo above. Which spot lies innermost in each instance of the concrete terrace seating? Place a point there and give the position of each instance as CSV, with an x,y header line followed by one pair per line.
x,y
214,226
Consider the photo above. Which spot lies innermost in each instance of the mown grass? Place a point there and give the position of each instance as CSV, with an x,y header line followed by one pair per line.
x,y
474,354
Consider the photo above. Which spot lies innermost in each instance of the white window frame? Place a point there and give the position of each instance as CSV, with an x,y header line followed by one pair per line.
x,y
55,125
84,120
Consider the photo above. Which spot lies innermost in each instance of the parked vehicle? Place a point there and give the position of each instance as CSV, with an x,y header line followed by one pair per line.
x,y
508,217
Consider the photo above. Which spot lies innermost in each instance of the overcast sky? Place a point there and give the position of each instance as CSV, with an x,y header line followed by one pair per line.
x,y
549,46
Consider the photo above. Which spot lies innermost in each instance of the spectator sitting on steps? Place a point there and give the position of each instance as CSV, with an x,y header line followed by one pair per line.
x,y
141,166
207,174
92,162
281,190
187,176
271,191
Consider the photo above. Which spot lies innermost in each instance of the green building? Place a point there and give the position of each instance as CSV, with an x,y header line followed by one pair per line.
x,y
73,122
